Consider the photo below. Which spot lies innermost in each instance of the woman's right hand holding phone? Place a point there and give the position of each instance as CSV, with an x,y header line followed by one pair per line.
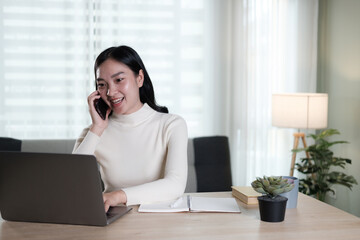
x,y
98,124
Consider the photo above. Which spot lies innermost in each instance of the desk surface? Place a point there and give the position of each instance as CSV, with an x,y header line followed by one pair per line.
x,y
312,219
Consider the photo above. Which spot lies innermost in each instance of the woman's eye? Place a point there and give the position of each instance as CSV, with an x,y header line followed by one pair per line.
x,y
119,79
100,85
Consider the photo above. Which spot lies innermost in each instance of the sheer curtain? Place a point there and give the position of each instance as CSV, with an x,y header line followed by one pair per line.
x,y
48,50
274,47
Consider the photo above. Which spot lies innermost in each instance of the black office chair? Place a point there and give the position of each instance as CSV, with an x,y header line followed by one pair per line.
x,y
10,144
212,164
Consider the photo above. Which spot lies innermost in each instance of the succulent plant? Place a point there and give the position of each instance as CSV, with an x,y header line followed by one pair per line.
x,y
272,186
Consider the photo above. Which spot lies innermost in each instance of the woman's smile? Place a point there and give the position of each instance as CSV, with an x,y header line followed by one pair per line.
x,y
115,102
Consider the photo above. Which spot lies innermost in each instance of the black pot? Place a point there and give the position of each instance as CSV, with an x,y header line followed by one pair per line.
x,y
272,210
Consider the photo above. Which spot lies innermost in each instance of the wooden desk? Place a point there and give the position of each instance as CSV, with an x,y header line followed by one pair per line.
x,y
312,219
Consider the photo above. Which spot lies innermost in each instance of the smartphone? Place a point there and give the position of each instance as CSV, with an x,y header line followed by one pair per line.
x,y
101,107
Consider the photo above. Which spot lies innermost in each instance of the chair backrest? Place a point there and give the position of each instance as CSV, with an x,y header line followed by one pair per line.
x,y
10,144
48,145
211,164
191,184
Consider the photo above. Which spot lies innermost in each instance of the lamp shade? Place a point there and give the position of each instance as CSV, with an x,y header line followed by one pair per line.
x,y
300,110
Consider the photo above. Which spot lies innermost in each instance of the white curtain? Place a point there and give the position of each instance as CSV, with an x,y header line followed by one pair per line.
x,y
274,49
48,50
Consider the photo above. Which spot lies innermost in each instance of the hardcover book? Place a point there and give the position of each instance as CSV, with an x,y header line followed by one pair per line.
x,y
246,194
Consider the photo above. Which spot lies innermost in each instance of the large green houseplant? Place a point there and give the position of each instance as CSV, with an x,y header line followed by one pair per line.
x,y
318,168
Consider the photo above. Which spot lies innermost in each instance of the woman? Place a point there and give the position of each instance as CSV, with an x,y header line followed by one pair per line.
x,y
141,149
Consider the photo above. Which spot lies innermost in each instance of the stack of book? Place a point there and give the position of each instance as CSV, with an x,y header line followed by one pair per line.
x,y
246,194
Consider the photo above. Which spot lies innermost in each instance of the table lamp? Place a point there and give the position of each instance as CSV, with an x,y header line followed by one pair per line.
x,y
301,111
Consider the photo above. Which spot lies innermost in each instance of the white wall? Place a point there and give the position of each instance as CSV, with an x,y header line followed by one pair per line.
x,y
339,75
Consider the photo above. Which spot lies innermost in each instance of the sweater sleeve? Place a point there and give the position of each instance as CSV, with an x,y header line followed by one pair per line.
x,y
175,175
86,143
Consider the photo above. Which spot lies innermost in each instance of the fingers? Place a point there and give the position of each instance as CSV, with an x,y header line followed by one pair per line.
x,y
91,98
112,199
109,201
106,206
98,124
94,95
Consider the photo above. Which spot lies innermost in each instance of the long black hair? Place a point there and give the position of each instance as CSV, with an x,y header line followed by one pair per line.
x,y
131,58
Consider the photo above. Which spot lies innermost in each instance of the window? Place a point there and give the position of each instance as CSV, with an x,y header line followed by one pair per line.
x,y
49,47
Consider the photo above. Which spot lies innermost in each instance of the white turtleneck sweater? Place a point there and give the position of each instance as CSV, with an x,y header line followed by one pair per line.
x,y
143,153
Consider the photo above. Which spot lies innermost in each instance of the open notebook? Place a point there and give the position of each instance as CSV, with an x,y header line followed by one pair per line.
x,y
193,204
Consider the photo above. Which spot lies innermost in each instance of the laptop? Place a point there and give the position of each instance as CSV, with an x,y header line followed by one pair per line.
x,y
53,188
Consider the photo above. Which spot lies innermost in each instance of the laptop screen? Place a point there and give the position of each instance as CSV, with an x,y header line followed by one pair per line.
x,y
52,188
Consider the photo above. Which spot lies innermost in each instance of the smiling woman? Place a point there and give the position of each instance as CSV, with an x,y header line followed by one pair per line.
x,y
141,149
119,87
123,63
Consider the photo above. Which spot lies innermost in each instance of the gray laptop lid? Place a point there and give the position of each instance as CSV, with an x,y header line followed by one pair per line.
x,y
53,188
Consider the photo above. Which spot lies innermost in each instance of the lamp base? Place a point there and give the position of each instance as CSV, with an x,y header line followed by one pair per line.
x,y
297,135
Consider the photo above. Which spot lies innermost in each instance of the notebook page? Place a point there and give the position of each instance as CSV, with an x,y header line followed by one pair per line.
x,y
208,204
168,206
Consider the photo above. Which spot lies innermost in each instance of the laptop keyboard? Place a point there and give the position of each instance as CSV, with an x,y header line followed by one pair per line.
x,y
110,215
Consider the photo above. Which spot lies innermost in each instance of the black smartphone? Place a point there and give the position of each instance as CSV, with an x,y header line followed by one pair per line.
x,y
101,107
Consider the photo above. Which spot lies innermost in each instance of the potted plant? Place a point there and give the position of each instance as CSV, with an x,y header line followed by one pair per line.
x,y
272,206
318,168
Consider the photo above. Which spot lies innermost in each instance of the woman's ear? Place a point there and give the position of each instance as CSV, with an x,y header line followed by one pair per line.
x,y
140,78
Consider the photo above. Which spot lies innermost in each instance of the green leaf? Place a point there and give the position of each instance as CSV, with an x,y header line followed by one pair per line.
x,y
318,168
278,191
265,182
260,190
